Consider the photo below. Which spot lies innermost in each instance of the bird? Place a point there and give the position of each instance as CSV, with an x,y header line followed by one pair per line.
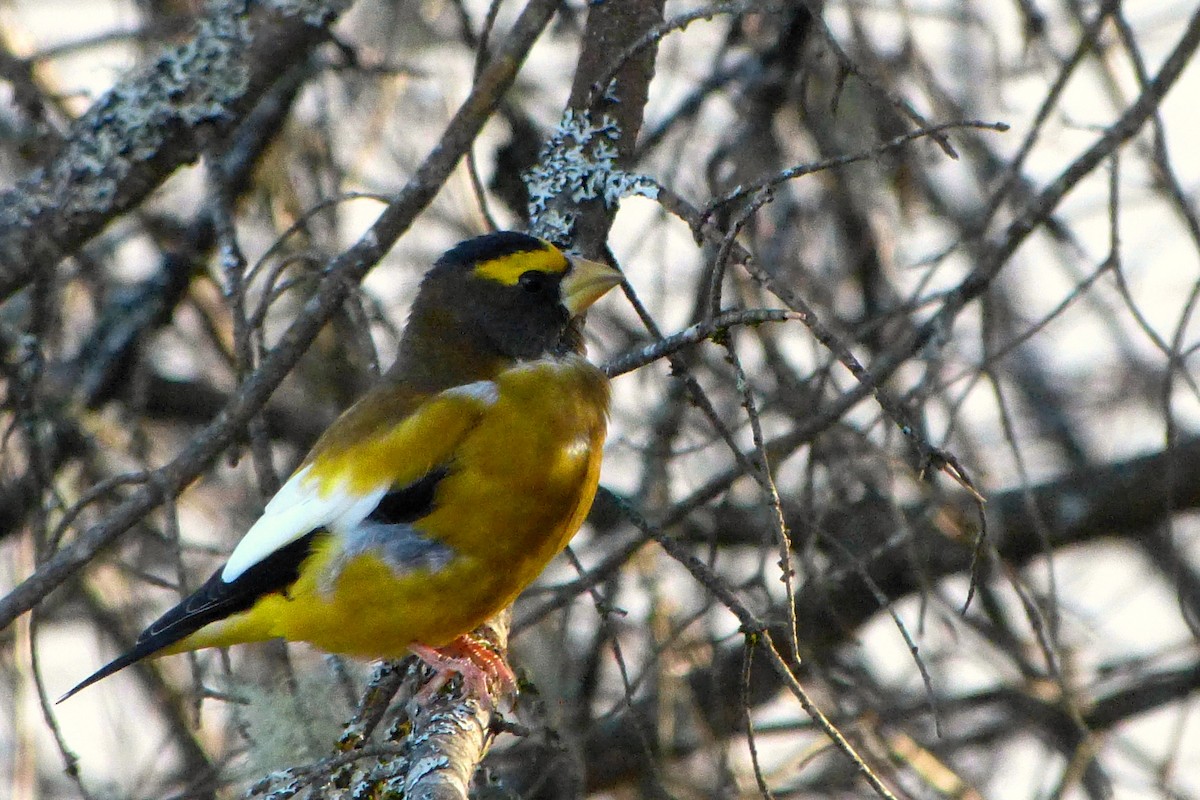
x,y
435,499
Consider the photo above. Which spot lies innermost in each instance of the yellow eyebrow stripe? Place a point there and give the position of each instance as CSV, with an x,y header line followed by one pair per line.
x,y
508,269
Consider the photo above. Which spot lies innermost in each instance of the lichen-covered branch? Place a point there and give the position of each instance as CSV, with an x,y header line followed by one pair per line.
x,y
151,123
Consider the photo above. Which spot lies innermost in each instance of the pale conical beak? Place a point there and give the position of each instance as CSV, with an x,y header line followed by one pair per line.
x,y
585,283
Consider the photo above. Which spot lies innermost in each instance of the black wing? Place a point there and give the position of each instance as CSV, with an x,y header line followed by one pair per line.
x,y
407,504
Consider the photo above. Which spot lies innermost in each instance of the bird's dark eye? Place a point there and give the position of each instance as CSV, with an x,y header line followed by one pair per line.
x,y
532,281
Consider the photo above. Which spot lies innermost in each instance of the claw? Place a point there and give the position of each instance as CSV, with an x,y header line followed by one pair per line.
x,y
475,661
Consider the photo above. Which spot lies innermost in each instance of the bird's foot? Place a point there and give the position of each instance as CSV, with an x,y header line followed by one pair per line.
x,y
480,666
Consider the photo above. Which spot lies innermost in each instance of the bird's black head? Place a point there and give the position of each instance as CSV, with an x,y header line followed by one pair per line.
x,y
512,294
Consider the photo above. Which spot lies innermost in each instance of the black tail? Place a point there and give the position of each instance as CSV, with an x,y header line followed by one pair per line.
x,y
213,601
143,648
192,614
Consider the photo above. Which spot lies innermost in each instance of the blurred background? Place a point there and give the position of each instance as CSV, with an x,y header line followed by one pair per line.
x,y
1026,299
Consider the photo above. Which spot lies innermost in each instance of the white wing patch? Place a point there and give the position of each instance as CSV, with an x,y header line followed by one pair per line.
x,y
486,392
297,509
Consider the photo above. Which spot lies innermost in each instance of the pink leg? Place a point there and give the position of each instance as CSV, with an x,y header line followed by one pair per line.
x,y
479,666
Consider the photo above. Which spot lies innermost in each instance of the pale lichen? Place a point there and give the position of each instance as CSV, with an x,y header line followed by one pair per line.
x,y
195,83
419,771
579,161
317,13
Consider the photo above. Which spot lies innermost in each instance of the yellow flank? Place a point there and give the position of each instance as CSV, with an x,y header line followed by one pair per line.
x,y
514,494
508,269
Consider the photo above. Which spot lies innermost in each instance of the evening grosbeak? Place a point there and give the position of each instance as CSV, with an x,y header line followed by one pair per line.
x,y
434,500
